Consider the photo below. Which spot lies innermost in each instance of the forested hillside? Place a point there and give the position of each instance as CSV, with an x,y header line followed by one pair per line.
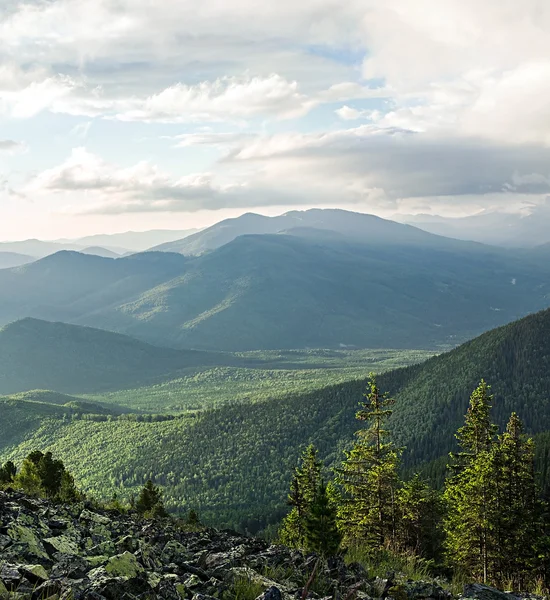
x,y
37,354
233,461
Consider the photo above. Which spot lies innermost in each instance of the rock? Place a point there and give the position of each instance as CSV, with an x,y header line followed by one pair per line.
x,y
87,515
124,565
10,575
419,590
34,573
174,552
483,592
273,593
62,544
48,590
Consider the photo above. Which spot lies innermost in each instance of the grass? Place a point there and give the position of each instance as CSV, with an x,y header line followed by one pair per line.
x,y
382,562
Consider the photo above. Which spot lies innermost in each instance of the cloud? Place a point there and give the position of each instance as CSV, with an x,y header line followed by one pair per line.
x,y
399,163
223,99
347,113
111,189
10,146
218,139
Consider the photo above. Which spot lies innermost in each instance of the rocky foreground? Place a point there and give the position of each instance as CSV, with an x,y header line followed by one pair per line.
x,y
75,552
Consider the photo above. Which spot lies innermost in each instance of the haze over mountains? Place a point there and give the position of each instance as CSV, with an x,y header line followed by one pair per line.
x,y
329,279
116,244
491,227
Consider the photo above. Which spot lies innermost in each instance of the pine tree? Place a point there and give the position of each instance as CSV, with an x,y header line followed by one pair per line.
x,y
303,488
149,502
420,510
321,531
7,472
369,478
51,474
470,492
67,489
477,435
518,510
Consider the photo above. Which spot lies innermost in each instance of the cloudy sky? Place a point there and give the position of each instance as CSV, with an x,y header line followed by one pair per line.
x,y
139,114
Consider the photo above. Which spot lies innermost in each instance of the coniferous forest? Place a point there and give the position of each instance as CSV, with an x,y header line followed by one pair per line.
x,y
489,522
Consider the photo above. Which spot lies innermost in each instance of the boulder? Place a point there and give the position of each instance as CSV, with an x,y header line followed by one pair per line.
x,y
124,565
484,592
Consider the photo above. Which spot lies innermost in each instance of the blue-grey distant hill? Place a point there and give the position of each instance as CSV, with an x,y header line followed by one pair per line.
x,y
364,282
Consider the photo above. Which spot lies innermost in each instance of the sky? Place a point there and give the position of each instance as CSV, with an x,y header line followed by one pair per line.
x,y
142,114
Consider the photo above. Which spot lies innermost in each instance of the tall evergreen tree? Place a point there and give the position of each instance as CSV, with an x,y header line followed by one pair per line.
x,y
321,531
420,511
368,476
518,509
470,491
478,433
305,482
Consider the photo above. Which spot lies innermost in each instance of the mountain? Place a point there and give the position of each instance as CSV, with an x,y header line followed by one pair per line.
x,y
36,248
358,227
98,251
38,354
13,259
70,286
135,241
282,291
490,227
287,291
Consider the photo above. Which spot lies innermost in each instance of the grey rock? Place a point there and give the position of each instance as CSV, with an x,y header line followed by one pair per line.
x,y
273,593
483,592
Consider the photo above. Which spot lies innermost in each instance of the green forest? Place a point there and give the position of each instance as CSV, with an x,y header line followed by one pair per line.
x,y
489,522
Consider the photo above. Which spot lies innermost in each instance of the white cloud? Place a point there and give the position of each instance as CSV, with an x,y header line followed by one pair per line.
x,y
223,99
451,96
11,146
106,188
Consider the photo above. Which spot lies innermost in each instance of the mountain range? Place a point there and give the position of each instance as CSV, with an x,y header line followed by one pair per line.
x,y
367,282
508,229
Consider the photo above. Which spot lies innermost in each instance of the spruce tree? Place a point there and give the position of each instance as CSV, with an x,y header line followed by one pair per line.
x,y
305,482
470,491
149,502
7,472
420,510
518,510
369,478
321,533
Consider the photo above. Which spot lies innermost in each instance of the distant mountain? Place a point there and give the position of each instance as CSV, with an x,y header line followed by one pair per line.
x,y
37,354
282,291
70,286
135,241
490,227
308,289
13,259
98,251
356,227
36,248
